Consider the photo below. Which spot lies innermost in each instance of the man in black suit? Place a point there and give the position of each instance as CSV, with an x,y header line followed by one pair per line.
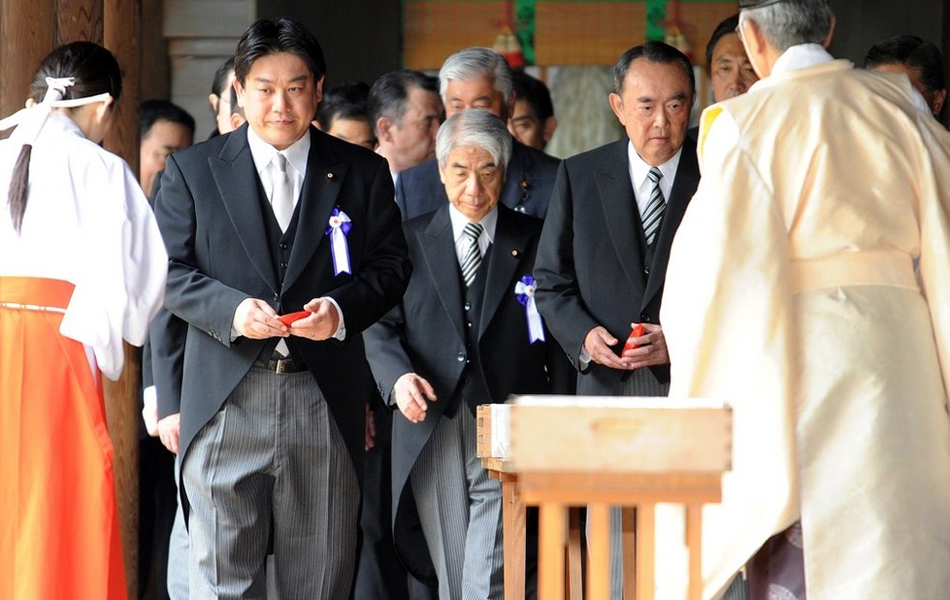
x,y
606,241
276,218
480,78
463,335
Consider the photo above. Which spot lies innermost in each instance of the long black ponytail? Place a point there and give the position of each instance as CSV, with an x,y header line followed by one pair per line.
x,y
95,71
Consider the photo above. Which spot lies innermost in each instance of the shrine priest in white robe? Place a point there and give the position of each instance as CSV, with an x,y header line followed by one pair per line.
x,y
809,287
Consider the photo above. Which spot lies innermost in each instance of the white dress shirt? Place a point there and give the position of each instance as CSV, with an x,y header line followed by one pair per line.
x,y
264,156
642,186
459,221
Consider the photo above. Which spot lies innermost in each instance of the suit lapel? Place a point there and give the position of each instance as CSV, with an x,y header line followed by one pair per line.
x,y
509,248
239,187
438,249
620,211
317,198
684,186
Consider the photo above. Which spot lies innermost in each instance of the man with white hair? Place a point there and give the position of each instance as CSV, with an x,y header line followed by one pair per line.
x,y
809,287
480,78
466,333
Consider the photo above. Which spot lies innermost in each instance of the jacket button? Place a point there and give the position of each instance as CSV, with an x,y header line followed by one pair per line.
x,y
276,298
461,357
469,324
645,318
646,270
283,245
283,265
468,306
521,209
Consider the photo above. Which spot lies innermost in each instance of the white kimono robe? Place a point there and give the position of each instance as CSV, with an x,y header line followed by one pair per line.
x,y
88,223
809,287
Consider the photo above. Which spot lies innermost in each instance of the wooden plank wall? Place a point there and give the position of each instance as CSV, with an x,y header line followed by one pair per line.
x,y
566,33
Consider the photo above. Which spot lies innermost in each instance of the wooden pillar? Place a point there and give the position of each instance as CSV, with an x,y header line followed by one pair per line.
x,y
28,32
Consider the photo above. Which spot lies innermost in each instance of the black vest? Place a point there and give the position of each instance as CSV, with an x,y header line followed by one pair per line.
x,y
472,387
280,244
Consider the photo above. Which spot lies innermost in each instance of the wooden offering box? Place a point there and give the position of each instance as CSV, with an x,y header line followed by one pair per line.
x,y
567,451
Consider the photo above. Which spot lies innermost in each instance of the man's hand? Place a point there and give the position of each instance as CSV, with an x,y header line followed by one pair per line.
x,y
411,392
369,437
256,320
150,414
651,348
321,324
599,345
169,429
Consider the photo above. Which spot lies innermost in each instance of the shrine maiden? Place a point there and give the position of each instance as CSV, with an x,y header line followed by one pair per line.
x,y
82,268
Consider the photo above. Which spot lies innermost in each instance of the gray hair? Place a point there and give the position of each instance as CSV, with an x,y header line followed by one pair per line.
x,y
476,62
788,24
474,127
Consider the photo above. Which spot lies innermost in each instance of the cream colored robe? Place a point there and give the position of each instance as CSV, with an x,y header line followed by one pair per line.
x,y
791,294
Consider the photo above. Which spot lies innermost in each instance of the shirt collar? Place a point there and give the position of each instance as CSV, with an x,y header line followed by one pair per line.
x,y
459,221
802,56
639,168
263,153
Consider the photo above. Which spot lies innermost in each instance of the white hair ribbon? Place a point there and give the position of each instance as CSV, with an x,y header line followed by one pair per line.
x,y
56,89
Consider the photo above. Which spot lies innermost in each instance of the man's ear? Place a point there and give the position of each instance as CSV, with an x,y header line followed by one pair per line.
x,y
548,128
383,126
239,91
236,121
318,87
940,96
616,105
831,31
213,99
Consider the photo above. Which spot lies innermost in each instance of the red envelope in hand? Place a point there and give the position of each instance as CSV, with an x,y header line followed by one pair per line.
x,y
636,332
294,316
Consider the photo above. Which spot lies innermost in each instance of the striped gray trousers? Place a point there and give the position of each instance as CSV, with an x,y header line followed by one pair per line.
x,y
271,461
460,511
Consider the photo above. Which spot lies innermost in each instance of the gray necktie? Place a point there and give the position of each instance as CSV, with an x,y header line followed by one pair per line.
x,y
473,255
653,215
282,199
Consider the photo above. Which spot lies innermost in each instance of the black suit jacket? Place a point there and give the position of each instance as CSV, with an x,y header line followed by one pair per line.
x,y
209,212
590,266
425,334
529,180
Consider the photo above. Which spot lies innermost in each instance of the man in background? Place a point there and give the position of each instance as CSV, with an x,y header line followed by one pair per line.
x,y
405,111
532,121
480,78
165,128
342,113
730,71
919,60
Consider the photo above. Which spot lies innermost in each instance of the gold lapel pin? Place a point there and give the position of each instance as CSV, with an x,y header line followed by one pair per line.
x,y
514,253
330,175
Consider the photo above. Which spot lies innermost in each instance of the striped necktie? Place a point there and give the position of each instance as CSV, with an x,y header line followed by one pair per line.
x,y
473,256
653,215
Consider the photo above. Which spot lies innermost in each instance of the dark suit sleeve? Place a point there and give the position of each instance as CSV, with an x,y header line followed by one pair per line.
x,y
401,195
386,352
558,293
166,335
382,276
190,294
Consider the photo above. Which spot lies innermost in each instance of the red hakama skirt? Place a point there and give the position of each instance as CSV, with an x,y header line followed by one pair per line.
x,y
59,532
